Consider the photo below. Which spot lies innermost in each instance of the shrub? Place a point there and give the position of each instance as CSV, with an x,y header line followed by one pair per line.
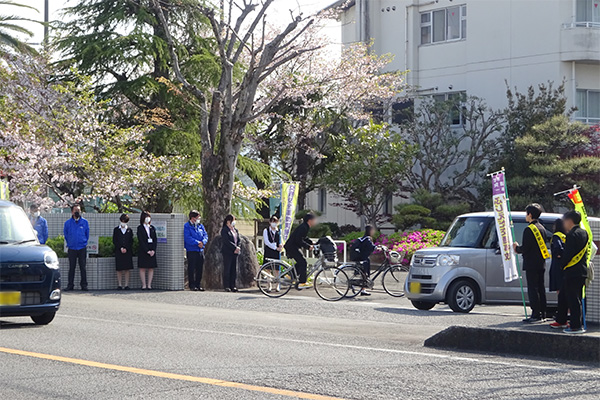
x,y
412,215
260,257
57,244
106,248
346,229
333,227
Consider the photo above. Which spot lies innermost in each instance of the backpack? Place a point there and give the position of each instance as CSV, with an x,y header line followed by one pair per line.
x,y
355,249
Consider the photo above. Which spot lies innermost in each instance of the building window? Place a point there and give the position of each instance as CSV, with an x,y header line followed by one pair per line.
x,y
403,111
445,25
376,111
322,203
588,106
456,99
588,11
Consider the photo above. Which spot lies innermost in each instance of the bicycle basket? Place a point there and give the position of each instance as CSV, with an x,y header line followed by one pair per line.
x,y
395,257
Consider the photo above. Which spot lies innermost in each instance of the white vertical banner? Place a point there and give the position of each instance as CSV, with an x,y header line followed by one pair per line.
x,y
505,239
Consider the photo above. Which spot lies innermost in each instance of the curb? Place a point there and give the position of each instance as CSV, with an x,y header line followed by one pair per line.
x,y
524,343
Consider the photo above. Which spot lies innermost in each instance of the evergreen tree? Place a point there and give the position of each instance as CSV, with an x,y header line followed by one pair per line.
x,y
121,44
556,155
9,28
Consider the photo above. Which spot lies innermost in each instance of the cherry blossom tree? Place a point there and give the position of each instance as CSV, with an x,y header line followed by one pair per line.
x,y
54,139
249,50
329,97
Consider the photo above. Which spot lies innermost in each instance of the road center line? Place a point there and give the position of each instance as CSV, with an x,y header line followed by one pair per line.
x,y
168,375
354,347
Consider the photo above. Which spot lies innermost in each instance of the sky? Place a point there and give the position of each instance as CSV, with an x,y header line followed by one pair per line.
x,y
280,7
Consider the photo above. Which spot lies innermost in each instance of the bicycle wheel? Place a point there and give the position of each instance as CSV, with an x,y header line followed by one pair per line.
x,y
393,280
273,281
331,284
356,280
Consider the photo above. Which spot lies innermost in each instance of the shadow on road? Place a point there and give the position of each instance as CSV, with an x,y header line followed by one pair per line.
x,y
17,325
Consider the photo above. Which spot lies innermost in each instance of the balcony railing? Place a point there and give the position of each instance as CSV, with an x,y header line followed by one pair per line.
x,y
586,24
588,120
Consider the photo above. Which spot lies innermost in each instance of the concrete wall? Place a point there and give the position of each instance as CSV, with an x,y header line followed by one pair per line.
x,y
521,42
593,292
101,271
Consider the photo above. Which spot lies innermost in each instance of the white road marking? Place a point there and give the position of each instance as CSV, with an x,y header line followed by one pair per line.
x,y
354,347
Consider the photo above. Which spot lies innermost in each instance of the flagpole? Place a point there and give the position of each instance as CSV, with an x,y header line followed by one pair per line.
x,y
512,231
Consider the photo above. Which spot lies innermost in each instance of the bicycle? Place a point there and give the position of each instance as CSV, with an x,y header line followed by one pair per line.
x,y
394,275
277,277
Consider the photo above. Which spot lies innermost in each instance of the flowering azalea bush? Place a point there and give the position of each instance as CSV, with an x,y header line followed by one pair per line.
x,y
404,242
410,242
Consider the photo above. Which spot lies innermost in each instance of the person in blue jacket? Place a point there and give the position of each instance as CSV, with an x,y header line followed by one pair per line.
x,y
39,223
195,238
77,233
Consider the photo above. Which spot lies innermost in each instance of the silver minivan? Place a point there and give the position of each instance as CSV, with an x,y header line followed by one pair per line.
x,y
466,269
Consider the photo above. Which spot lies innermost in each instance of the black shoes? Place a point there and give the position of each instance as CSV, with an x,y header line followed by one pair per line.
x,y
228,290
533,320
84,289
68,289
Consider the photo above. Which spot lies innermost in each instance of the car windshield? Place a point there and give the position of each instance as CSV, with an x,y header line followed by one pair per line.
x,y
15,226
466,232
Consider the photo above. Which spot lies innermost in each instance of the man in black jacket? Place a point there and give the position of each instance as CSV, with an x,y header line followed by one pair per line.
x,y
574,264
534,262
297,241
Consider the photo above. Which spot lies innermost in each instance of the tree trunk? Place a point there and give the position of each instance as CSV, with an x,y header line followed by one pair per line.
x,y
217,185
247,264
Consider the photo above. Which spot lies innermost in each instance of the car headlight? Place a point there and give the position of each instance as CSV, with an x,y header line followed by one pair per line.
x,y
445,260
51,260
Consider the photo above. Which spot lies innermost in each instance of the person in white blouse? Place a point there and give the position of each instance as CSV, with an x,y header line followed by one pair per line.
x,y
272,240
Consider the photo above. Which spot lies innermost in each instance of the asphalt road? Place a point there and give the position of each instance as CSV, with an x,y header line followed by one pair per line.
x,y
180,345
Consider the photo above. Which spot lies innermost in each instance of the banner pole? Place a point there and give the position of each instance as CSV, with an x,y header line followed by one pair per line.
x,y
512,231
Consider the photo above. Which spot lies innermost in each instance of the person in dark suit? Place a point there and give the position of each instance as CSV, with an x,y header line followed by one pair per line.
x,y
123,241
297,241
575,270
230,247
534,263
146,234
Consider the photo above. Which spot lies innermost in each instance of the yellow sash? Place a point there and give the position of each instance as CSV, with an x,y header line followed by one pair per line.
x,y
577,257
561,236
540,241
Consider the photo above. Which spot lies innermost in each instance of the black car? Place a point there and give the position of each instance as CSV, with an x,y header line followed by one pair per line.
x,y
29,271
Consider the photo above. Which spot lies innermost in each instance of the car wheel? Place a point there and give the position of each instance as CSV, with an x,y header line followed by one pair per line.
x,y
43,319
462,296
423,305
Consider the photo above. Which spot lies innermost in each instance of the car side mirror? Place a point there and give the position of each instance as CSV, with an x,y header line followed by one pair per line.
x,y
497,250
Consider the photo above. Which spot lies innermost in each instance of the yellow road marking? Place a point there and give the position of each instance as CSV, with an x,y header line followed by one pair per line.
x,y
168,375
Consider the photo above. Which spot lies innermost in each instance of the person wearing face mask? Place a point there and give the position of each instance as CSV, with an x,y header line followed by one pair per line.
x,y
77,233
146,234
272,240
195,238
230,247
39,223
123,241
